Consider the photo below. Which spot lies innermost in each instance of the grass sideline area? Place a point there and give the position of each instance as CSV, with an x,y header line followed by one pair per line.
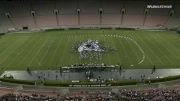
x,y
53,49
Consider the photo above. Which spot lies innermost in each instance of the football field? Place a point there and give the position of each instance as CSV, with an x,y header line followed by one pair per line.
x,y
53,49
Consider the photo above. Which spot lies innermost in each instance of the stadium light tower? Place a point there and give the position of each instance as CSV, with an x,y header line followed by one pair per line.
x,y
33,15
56,12
78,14
100,15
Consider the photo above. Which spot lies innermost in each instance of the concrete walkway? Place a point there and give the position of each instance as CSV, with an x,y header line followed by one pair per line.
x,y
113,74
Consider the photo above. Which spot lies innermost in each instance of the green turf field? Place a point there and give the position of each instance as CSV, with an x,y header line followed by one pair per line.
x,y
134,49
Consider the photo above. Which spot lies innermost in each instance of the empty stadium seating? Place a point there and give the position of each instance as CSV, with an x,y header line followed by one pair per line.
x,y
111,19
89,19
156,20
110,7
20,14
133,20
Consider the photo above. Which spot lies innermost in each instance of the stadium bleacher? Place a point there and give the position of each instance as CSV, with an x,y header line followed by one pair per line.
x,y
20,14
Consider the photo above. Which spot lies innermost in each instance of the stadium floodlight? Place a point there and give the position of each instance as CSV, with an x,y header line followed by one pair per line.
x,y
56,11
100,11
33,13
78,11
8,14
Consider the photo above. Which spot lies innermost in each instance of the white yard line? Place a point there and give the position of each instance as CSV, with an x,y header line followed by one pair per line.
x,y
167,51
108,54
172,48
55,52
155,54
72,38
127,57
145,46
37,52
45,54
65,45
139,47
130,45
19,52
14,48
27,52
114,44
